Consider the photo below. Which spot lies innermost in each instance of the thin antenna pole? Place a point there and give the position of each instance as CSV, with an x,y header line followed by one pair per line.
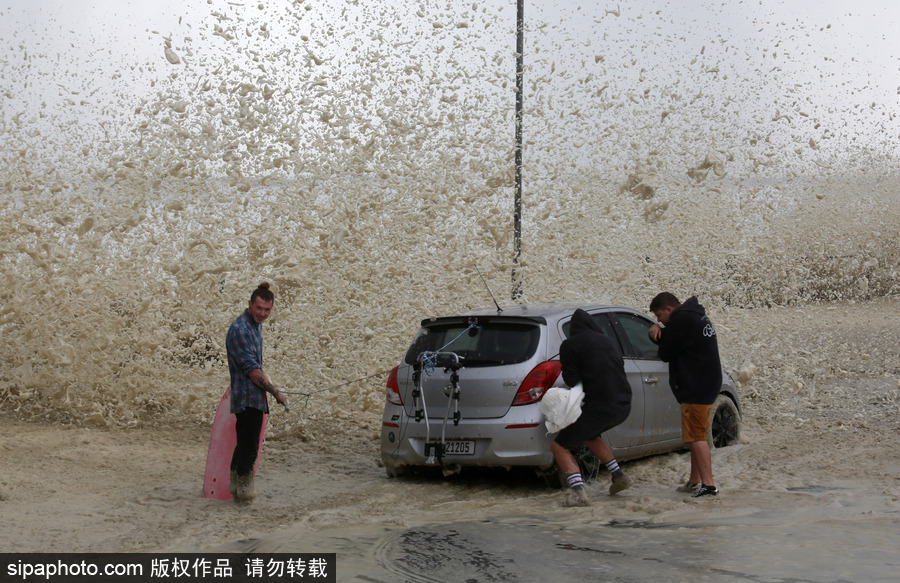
x,y
520,100
499,309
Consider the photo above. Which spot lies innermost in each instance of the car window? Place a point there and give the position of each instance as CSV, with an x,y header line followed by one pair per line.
x,y
637,330
605,325
491,343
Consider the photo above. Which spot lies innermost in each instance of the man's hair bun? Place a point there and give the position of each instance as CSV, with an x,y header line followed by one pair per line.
x,y
263,292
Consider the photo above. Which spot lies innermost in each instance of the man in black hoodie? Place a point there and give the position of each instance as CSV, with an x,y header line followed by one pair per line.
x,y
687,341
591,358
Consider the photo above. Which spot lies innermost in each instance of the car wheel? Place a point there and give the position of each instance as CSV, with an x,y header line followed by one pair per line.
x,y
552,477
393,471
724,423
588,464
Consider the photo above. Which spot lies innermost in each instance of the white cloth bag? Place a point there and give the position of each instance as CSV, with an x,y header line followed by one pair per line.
x,y
561,407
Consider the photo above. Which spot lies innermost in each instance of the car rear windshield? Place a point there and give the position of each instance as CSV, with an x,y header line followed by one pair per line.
x,y
488,344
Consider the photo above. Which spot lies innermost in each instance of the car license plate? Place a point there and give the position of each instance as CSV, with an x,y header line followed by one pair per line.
x,y
458,447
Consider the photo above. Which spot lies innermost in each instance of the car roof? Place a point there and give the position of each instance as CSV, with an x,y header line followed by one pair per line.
x,y
535,311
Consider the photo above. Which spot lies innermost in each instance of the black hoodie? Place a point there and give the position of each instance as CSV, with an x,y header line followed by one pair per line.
x,y
690,347
590,357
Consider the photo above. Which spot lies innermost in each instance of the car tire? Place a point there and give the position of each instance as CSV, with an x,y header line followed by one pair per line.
x,y
552,477
589,465
724,423
393,471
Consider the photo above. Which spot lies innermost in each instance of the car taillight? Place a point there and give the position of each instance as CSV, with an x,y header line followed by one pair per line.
x,y
392,389
537,382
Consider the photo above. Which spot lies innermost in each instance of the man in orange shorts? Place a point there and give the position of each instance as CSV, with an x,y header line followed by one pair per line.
x,y
687,341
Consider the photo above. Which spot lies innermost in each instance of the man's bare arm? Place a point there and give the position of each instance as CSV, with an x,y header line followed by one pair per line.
x,y
260,379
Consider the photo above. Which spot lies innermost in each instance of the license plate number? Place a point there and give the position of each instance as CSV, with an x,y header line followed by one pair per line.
x,y
459,448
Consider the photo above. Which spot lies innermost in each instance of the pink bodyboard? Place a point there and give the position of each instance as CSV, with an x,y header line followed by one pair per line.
x,y
221,448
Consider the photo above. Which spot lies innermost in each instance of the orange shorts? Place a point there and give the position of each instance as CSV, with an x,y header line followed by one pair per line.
x,y
694,422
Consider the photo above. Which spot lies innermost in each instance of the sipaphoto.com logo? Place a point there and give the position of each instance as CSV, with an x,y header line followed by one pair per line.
x,y
62,569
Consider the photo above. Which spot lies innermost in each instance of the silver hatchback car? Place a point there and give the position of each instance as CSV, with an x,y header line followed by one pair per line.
x,y
469,389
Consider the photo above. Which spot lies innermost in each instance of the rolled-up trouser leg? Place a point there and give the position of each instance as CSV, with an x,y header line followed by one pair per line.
x,y
248,427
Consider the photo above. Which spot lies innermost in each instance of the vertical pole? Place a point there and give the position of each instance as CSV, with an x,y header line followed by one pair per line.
x,y
520,100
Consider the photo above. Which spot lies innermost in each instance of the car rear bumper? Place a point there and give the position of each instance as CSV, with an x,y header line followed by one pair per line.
x,y
519,438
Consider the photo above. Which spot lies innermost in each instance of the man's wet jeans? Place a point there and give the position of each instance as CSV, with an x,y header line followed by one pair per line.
x,y
248,426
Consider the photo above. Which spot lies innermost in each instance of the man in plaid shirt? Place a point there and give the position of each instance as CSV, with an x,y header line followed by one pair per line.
x,y
249,389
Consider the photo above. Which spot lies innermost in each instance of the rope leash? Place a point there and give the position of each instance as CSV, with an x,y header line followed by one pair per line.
x,y
429,359
343,384
429,363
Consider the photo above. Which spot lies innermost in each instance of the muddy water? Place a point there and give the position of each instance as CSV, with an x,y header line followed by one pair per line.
x,y
359,158
785,513
759,545
796,504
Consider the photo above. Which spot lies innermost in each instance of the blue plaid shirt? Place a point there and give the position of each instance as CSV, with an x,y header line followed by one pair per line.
x,y
244,344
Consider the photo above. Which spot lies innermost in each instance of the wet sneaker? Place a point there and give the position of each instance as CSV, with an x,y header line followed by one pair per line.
x,y
706,491
688,487
619,483
577,497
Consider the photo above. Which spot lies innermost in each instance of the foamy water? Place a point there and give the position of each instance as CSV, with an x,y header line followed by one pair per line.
x,y
360,159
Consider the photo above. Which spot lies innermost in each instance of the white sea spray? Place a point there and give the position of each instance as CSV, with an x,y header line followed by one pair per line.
x,y
361,161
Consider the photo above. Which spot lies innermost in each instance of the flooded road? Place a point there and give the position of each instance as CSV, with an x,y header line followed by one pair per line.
x,y
814,534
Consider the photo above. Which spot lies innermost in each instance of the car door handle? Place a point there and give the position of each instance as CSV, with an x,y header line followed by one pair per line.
x,y
651,380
